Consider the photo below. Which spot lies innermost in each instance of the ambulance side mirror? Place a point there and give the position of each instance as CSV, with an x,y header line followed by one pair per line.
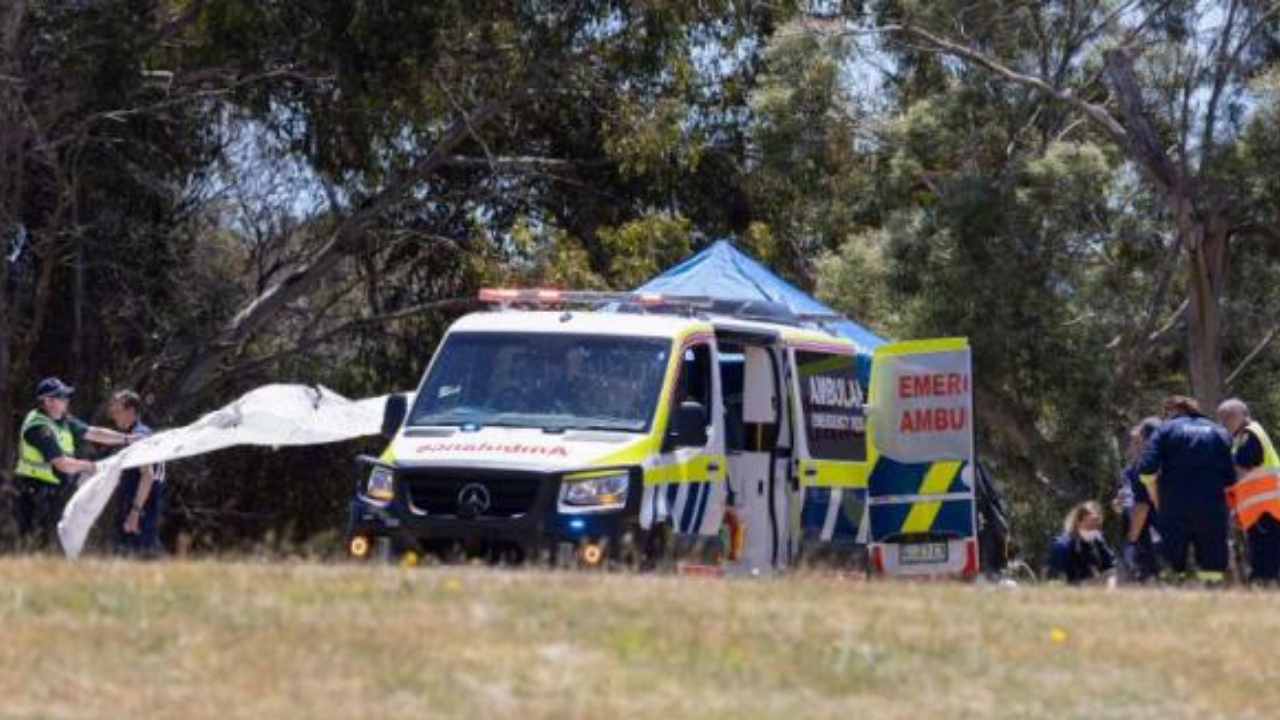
x,y
393,414
689,426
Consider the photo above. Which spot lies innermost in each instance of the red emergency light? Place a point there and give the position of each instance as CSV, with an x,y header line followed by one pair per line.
x,y
550,296
498,295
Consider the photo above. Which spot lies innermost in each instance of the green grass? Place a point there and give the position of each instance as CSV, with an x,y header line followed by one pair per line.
x,y
224,640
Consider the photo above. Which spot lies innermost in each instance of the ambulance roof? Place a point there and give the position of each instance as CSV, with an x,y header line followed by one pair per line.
x,y
582,322
637,325
790,334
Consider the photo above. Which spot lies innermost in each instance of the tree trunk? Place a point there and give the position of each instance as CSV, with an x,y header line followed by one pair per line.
x,y
77,306
1202,233
1206,259
12,171
7,415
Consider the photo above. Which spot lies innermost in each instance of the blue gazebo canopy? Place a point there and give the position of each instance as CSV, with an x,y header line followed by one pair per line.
x,y
722,271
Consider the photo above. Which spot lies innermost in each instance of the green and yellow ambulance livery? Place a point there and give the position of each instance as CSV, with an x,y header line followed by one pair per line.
x,y
596,429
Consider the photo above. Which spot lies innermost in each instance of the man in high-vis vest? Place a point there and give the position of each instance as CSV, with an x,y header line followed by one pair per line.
x,y
1186,469
47,464
1255,498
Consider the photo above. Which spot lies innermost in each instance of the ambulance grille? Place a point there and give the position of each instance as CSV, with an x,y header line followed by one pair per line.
x,y
509,497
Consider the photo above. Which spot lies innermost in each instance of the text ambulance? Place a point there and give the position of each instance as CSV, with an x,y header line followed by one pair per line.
x,y
652,430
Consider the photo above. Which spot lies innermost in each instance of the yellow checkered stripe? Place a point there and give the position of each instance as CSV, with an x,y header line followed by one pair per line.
x,y
924,510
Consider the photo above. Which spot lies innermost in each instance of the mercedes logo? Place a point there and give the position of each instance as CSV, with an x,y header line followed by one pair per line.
x,y
473,500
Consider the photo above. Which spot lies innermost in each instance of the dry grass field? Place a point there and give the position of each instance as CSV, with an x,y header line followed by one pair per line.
x,y
264,641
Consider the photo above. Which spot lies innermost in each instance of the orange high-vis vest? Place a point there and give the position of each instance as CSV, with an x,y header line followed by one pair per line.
x,y
1255,495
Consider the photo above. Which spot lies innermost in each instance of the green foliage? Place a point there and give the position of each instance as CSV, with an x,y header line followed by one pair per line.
x,y
645,246
997,238
920,194
854,280
808,178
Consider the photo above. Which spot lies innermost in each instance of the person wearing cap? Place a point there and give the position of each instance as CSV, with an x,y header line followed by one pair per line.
x,y
1255,498
47,464
1186,469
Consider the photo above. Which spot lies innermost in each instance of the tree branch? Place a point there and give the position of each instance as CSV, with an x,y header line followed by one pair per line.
x,y
299,280
1253,354
521,162
309,343
1221,71
1096,113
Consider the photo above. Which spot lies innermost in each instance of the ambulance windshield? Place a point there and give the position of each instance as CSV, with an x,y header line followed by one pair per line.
x,y
550,381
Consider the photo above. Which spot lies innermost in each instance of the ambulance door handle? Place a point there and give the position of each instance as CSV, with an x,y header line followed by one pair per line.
x,y
713,466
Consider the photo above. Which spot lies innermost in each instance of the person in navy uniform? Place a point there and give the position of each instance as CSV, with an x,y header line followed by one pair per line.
x,y
1141,539
1186,469
1080,554
141,492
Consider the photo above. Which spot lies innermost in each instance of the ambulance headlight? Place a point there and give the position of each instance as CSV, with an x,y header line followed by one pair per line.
x,y
587,492
381,484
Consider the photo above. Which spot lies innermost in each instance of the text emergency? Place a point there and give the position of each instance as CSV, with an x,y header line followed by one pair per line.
x,y
924,402
934,417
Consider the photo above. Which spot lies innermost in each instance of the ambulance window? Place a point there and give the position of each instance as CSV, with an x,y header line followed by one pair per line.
x,y
732,369
832,400
546,380
695,375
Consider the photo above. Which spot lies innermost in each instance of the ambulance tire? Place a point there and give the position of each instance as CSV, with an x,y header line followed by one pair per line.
x,y
628,555
659,549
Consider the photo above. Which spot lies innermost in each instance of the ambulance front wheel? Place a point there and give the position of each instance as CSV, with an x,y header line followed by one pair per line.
x,y
658,549
374,548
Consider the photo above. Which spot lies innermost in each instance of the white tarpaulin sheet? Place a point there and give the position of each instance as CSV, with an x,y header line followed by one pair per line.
x,y
270,416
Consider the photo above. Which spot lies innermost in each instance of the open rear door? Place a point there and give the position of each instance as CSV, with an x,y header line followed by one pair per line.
x,y
831,458
921,490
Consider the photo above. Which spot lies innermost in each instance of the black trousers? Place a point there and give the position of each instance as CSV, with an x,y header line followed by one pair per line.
x,y
38,510
146,542
1147,561
1264,550
1205,532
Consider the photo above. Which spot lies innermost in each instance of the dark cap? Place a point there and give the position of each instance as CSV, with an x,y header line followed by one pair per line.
x,y
53,387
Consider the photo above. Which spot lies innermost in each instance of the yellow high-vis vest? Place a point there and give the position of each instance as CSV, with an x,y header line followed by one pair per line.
x,y
1269,457
31,462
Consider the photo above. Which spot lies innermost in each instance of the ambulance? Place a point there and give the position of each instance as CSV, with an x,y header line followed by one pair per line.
x,y
641,430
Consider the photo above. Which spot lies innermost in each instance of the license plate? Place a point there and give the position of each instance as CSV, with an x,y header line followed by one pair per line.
x,y
922,553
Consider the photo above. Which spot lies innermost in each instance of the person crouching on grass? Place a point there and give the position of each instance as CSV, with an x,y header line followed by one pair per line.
x,y
1080,554
141,491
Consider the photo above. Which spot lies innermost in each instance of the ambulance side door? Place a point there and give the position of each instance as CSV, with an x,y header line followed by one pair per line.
x,y
831,452
688,478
